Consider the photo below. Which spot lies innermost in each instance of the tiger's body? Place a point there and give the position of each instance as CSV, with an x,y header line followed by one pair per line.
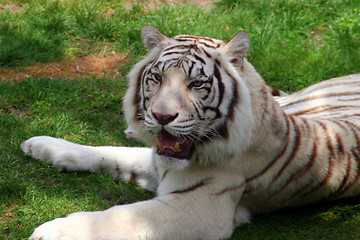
x,y
319,157
221,146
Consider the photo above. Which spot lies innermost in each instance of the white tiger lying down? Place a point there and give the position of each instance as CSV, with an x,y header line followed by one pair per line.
x,y
221,147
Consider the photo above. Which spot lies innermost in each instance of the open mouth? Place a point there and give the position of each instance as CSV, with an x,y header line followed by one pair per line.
x,y
176,147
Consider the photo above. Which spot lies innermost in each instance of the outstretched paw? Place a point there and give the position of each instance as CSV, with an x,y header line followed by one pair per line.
x,y
62,154
61,229
49,231
43,147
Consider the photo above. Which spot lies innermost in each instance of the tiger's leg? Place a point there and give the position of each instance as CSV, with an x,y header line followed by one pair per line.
x,y
193,215
127,163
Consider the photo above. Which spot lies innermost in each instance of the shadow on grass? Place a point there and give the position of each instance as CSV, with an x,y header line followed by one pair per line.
x,y
324,220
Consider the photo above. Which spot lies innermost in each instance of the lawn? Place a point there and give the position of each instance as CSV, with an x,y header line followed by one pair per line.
x,y
293,44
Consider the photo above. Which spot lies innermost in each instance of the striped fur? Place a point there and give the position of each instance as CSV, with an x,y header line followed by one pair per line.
x,y
222,147
302,148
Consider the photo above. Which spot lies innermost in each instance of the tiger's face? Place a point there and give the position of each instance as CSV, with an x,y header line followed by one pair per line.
x,y
182,101
184,96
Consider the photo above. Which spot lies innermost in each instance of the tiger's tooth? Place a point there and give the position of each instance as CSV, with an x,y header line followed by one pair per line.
x,y
159,143
177,146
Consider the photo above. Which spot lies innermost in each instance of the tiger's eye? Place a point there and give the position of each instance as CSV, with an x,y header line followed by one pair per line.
x,y
157,77
196,84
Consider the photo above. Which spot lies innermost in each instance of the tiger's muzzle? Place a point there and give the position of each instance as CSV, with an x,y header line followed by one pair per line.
x,y
172,146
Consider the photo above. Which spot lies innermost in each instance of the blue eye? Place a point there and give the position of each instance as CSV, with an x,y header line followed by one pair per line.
x,y
196,84
157,77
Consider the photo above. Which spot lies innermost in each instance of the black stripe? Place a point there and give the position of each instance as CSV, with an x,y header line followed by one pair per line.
x,y
230,189
181,37
341,147
356,155
210,93
294,150
234,99
196,107
345,180
156,64
192,38
190,69
321,96
118,172
320,109
180,46
354,129
301,172
200,184
207,54
328,138
164,175
223,131
208,90
221,87
217,62
175,52
329,84
207,39
197,57
331,165
137,96
341,124
286,142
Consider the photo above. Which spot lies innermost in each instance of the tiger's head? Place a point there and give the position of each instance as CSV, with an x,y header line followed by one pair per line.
x,y
187,99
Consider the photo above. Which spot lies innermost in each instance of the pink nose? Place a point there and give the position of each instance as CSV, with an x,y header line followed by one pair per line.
x,y
164,119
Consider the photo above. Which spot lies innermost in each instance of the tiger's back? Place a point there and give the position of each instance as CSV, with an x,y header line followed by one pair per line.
x,y
337,98
320,157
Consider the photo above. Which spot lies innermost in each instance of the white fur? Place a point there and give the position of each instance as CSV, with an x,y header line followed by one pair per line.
x,y
69,156
142,220
207,196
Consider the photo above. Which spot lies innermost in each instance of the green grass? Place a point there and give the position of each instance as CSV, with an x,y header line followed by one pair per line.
x,y
317,39
293,44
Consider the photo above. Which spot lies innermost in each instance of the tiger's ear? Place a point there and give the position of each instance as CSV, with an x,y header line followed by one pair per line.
x,y
237,48
152,37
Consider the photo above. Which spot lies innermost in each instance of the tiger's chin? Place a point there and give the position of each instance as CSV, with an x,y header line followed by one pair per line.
x,y
168,162
172,151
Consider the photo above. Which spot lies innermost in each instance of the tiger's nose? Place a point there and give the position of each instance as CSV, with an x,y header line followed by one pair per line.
x,y
164,119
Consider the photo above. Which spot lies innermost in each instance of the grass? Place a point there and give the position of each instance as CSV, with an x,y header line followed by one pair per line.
x,y
293,44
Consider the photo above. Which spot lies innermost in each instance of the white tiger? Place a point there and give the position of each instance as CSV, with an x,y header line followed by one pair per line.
x,y
221,147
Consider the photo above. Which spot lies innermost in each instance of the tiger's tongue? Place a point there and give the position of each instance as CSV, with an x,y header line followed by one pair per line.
x,y
168,140
172,146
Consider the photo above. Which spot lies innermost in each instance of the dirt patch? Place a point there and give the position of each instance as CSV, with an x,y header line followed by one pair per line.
x,y
8,213
10,7
80,66
72,68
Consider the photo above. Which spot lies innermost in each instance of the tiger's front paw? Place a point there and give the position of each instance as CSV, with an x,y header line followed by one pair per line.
x,y
43,148
76,226
62,154
53,230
